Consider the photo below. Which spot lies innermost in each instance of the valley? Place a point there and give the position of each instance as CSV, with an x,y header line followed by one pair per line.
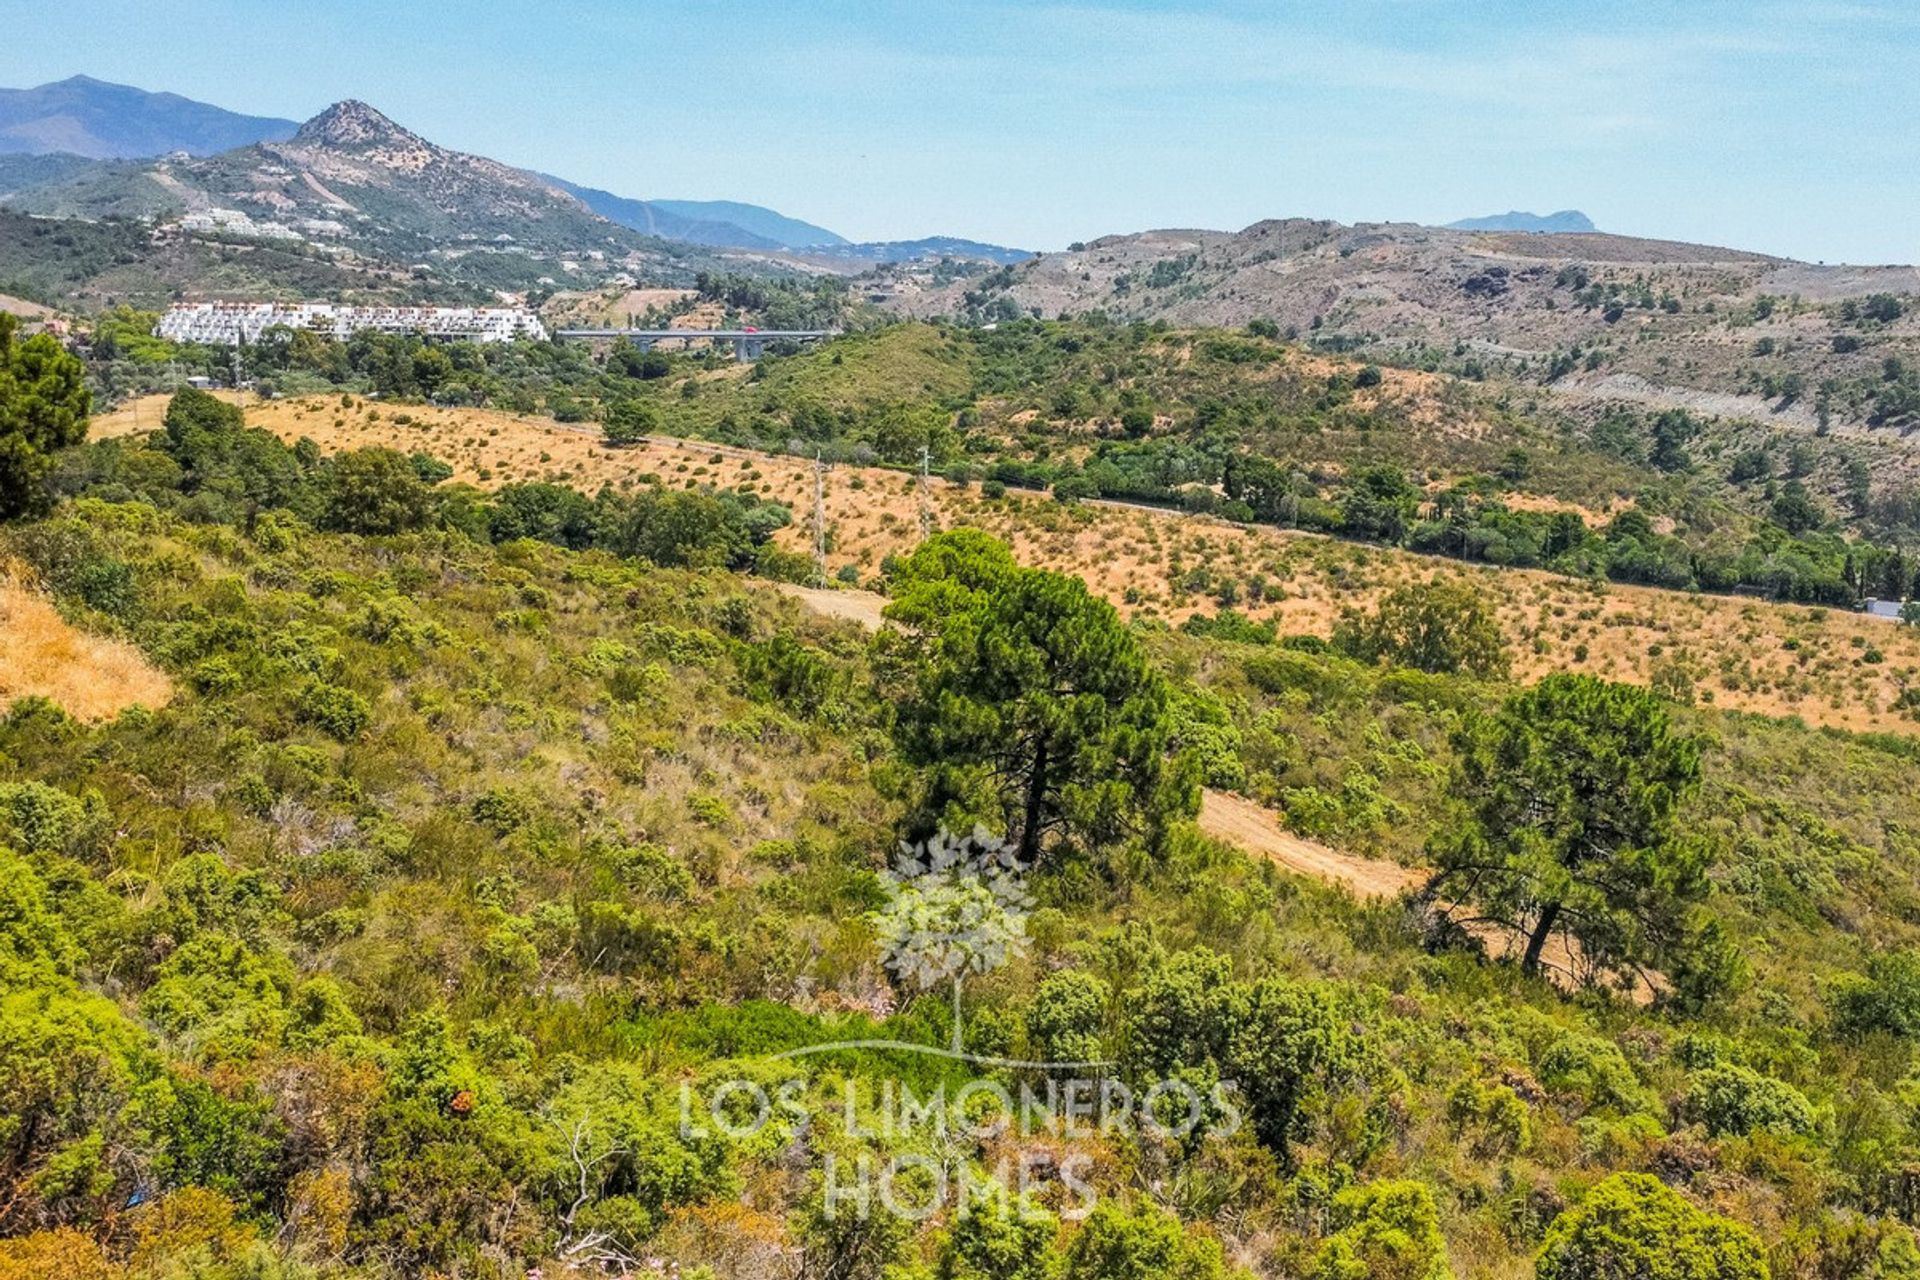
x,y
1827,667
1333,750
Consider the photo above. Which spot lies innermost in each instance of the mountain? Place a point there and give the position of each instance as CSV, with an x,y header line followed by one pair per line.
x,y
719,223
1597,316
1564,221
652,218
350,178
777,228
91,118
929,248
361,180
350,203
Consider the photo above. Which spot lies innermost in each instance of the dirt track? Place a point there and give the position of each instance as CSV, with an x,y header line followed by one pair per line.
x,y
1257,829
862,607
1224,816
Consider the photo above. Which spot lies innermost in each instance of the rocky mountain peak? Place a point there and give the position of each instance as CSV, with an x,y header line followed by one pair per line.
x,y
353,123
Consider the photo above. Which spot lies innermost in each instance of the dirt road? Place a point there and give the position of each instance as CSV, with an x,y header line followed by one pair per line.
x,y
862,607
1257,829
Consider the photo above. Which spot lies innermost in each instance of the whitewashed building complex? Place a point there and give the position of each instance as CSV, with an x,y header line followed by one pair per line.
x,y
232,323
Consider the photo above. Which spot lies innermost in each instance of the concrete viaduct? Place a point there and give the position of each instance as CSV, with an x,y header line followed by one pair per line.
x,y
748,344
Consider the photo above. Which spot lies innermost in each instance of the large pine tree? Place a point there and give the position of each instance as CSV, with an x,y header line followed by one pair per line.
x,y
1035,692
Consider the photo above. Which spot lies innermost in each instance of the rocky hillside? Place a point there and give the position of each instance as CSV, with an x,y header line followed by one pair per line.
x,y
351,181
1598,316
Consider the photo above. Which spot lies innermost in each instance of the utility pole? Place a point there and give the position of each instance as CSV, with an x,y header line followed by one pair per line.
x,y
819,518
926,496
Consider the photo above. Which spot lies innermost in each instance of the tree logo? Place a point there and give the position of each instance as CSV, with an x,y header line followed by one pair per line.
x,y
957,906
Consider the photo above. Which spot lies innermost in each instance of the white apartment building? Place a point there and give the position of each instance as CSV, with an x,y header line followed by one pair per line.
x,y
232,323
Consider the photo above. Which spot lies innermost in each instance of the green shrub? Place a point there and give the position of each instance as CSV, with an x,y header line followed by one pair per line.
x,y
1737,1100
376,491
1151,1244
999,1240
652,870
1491,1117
1887,999
1068,1017
1593,1074
37,818
1439,627
501,810
1632,1226
338,712
1386,1228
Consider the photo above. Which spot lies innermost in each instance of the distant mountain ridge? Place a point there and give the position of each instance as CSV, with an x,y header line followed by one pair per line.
x,y
353,177
86,148
882,252
1567,221
653,218
86,117
790,233
721,223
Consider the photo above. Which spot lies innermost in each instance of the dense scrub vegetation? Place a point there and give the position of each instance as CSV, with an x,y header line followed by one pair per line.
x,y
486,824
1232,425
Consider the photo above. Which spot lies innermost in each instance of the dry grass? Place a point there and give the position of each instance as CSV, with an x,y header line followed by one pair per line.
x,y
91,677
613,308
1828,667
21,307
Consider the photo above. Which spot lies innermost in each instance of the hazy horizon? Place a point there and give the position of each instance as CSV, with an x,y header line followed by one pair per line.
x,y
1772,127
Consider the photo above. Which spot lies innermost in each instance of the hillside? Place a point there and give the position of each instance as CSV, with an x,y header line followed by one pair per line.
x,y
727,223
18,172
88,267
791,233
925,249
1596,317
352,183
480,828
1160,565
86,117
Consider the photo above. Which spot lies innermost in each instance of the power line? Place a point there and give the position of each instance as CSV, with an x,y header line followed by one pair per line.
x,y
926,496
819,518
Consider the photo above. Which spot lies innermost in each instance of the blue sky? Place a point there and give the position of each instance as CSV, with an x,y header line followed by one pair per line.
x,y
1785,127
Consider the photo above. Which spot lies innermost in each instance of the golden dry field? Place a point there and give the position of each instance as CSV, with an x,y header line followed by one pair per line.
x,y
91,677
1828,667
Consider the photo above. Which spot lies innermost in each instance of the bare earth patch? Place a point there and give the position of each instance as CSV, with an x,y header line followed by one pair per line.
x,y
21,307
90,677
1258,830
863,607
